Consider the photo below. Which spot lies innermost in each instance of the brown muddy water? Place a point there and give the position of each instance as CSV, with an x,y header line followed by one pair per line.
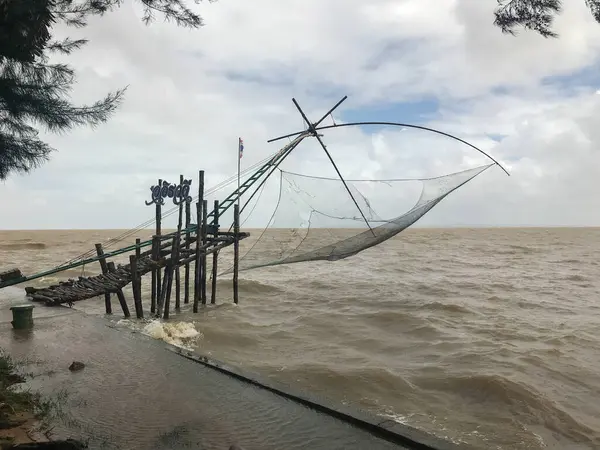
x,y
485,336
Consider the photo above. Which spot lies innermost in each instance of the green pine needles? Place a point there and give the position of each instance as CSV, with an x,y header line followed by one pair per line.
x,y
34,93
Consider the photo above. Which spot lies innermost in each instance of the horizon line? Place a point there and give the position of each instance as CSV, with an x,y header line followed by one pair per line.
x,y
423,227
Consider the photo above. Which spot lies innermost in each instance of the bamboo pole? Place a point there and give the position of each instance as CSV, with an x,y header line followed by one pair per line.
x,y
186,282
213,293
203,257
236,251
163,292
178,247
198,266
104,267
169,280
135,287
138,258
112,269
156,275
155,257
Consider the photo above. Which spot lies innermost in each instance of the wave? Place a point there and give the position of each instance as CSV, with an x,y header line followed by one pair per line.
x,y
576,278
180,334
257,288
446,307
23,246
371,381
519,400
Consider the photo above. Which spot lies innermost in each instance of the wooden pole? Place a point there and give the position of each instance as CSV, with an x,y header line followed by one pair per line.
x,y
169,276
186,282
120,295
236,251
135,287
155,257
138,250
104,268
156,274
178,236
203,257
198,267
163,292
213,293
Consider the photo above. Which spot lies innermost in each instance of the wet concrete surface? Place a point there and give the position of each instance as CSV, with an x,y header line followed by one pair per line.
x,y
133,394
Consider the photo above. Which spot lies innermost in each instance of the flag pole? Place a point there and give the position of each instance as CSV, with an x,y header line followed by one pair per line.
x,y
239,160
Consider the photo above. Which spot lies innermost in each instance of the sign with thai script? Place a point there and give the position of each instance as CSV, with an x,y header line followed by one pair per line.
x,y
180,193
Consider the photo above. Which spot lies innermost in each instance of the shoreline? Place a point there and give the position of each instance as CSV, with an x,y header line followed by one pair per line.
x,y
237,412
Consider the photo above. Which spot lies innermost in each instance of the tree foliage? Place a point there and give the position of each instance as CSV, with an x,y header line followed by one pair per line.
x,y
34,92
535,15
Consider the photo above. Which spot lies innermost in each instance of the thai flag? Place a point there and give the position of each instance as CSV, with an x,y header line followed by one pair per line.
x,y
241,145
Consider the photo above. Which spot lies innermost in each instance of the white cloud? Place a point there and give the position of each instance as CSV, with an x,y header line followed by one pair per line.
x,y
192,93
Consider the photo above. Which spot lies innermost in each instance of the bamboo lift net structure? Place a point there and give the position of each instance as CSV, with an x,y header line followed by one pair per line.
x,y
311,217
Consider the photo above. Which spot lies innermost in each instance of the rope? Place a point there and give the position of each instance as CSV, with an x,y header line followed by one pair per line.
x,y
129,233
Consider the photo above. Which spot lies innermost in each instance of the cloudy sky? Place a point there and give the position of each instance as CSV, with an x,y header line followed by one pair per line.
x,y
532,103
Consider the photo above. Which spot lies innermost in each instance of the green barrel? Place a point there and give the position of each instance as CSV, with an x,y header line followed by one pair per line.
x,y
22,316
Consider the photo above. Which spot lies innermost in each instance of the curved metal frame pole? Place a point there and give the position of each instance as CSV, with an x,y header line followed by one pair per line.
x,y
398,124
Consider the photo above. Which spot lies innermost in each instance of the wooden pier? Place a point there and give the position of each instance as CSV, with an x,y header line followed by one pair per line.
x,y
168,254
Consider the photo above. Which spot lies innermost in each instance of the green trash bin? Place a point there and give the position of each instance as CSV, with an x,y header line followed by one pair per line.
x,y
22,316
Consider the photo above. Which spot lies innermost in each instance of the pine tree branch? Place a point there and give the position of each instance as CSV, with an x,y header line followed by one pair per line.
x,y
594,6
173,10
535,15
66,46
33,92
21,154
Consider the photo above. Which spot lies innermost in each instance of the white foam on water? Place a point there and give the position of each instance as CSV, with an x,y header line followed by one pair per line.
x,y
180,334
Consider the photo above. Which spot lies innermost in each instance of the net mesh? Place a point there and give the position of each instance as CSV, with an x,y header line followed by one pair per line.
x,y
315,218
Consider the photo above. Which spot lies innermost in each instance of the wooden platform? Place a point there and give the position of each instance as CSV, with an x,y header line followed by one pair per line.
x,y
120,276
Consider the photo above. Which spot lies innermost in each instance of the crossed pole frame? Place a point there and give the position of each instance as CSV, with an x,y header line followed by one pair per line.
x,y
312,130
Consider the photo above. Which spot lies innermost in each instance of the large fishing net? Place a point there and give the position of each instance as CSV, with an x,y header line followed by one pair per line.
x,y
315,218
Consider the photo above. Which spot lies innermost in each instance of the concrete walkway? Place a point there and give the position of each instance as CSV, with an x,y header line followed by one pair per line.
x,y
135,394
